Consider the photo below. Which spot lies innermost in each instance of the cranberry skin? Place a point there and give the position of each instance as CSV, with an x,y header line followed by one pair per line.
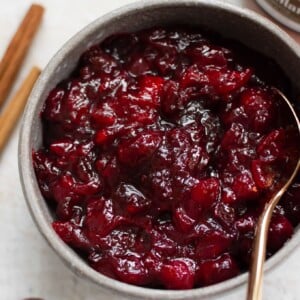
x,y
131,199
64,230
182,220
177,275
100,218
244,187
63,188
228,81
47,172
151,88
53,107
171,101
217,270
212,245
62,147
262,173
205,193
111,172
153,263
72,235
279,232
257,104
193,76
235,136
228,196
224,214
104,116
138,66
271,147
162,244
137,150
131,270
102,264
99,61
203,55
246,224
76,104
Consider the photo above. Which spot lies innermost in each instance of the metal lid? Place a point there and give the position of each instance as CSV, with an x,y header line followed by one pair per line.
x,y
286,12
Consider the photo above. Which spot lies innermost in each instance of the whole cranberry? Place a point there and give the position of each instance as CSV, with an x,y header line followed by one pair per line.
x,y
279,232
216,270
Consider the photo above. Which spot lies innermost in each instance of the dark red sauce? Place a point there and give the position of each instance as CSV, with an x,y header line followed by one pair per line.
x,y
160,151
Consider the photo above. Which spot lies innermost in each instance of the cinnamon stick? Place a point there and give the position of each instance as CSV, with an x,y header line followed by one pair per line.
x,y
10,115
17,49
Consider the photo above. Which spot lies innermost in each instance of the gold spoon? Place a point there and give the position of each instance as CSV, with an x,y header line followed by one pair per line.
x,y
260,242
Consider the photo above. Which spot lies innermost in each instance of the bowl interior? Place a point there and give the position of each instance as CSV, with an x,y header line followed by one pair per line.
x,y
230,22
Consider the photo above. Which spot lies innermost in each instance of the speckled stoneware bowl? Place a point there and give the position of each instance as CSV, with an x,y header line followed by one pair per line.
x,y
245,26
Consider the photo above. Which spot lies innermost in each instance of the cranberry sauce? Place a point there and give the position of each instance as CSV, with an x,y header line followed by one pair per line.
x,y
160,151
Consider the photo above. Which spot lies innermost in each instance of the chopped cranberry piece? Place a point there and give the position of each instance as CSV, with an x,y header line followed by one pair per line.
x,y
162,244
244,186
228,196
62,147
263,174
63,188
64,230
208,55
225,214
72,235
270,148
111,172
102,264
246,224
100,61
177,274
52,110
212,245
236,135
131,270
205,193
100,218
104,116
150,90
138,66
258,106
137,150
171,101
193,76
229,81
216,270
131,199
182,221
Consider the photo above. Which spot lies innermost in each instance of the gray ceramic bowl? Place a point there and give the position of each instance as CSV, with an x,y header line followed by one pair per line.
x,y
232,22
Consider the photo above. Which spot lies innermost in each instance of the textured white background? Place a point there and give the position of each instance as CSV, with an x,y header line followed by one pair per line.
x,y
28,267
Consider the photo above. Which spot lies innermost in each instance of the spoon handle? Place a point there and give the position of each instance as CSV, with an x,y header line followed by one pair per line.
x,y
260,242
259,251
255,280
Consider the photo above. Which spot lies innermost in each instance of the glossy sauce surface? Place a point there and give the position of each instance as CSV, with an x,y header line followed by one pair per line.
x,y
160,151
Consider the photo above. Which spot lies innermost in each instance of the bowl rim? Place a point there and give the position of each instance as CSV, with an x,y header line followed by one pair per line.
x,y
36,203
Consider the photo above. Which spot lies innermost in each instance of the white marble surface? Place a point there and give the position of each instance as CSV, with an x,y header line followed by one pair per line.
x,y
28,267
